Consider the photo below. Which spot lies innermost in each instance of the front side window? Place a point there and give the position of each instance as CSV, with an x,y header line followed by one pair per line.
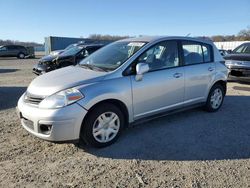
x,y
91,50
112,56
162,55
84,53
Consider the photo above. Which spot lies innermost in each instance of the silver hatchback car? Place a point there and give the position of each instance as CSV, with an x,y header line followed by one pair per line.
x,y
122,83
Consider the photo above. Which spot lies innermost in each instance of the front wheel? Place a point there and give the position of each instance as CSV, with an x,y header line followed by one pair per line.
x,y
215,98
103,125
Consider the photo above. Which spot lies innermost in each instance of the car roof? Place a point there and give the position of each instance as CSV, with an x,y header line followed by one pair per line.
x,y
159,38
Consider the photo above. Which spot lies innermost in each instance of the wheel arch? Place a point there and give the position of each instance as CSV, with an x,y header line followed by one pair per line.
x,y
222,82
121,105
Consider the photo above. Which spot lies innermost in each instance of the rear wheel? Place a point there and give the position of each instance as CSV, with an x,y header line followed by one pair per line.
x,y
21,56
215,98
103,125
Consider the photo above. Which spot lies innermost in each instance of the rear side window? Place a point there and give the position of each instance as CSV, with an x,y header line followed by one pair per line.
x,y
196,53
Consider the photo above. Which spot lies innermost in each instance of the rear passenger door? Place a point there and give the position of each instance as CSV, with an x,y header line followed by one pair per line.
x,y
199,70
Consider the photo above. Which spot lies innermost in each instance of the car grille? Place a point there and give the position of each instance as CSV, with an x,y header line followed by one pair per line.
x,y
32,99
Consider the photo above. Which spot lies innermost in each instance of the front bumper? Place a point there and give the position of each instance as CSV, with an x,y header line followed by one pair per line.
x,y
39,69
65,123
239,69
239,72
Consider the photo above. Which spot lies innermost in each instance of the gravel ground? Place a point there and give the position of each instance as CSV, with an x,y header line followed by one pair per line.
x,y
188,149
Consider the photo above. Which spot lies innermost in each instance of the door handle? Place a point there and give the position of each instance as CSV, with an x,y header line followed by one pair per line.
x,y
210,69
177,75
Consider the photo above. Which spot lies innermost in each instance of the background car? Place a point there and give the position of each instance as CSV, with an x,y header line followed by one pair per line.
x,y
72,56
54,54
13,51
238,62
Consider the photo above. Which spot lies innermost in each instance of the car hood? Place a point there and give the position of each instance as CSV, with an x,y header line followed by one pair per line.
x,y
56,52
47,58
238,57
63,78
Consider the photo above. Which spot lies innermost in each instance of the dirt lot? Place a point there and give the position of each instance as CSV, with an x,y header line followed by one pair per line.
x,y
189,149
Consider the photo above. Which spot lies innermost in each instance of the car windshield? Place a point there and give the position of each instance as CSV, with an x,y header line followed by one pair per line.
x,y
243,49
112,56
69,46
72,51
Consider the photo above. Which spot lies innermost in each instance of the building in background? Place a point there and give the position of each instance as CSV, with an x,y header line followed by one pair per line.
x,y
228,45
53,43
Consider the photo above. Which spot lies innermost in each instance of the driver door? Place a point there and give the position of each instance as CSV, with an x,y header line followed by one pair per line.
x,y
162,88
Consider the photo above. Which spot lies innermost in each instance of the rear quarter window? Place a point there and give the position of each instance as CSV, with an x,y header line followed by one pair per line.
x,y
207,53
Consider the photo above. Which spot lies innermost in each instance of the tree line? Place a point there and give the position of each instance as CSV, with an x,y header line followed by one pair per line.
x,y
107,37
243,35
16,42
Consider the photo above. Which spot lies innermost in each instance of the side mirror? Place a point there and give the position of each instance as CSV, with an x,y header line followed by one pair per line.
x,y
141,68
229,51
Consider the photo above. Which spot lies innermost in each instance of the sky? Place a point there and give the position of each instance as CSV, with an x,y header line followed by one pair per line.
x,y
32,20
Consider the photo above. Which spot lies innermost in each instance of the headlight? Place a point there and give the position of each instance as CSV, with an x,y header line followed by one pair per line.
x,y
229,63
54,53
61,99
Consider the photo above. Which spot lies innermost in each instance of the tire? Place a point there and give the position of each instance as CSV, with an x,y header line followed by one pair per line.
x,y
215,98
21,56
103,125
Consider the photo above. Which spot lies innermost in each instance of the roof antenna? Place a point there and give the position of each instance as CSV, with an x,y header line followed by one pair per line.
x,y
188,34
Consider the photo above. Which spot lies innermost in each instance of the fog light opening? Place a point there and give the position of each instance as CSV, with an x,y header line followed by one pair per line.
x,y
45,129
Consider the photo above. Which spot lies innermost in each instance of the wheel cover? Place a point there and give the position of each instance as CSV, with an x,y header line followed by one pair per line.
x,y
21,56
106,127
216,98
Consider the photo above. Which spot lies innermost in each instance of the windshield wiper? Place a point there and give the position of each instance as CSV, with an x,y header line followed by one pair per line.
x,y
93,67
88,66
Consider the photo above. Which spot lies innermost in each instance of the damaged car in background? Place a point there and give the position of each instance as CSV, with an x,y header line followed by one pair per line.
x,y
72,56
